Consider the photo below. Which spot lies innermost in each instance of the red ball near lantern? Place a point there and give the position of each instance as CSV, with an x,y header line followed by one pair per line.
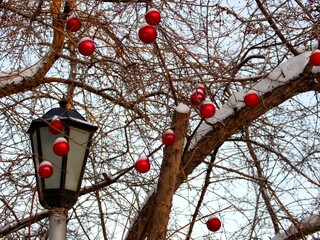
x,y
197,97
61,146
207,109
55,126
315,58
168,137
153,17
86,46
142,165
251,100
147,34
45,169
73,24
213,223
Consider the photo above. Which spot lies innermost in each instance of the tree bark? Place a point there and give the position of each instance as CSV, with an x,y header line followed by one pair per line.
x,y
226,128
168,177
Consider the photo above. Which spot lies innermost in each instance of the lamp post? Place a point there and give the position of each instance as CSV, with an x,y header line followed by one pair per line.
x,y
60,140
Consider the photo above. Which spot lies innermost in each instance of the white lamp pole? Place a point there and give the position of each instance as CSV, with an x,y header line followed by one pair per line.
x,y
58,223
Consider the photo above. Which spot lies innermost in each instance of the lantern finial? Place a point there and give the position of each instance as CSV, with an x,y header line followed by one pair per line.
x,y
63,102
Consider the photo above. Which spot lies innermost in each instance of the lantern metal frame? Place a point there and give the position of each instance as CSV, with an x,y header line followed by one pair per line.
x,y
74,124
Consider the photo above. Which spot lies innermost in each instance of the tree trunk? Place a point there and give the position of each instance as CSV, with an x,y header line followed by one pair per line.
x,y
168,177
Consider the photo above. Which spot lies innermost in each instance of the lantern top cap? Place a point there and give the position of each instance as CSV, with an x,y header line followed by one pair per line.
x,y
63,113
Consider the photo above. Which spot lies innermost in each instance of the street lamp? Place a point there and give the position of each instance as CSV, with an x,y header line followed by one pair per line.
x,y
64,160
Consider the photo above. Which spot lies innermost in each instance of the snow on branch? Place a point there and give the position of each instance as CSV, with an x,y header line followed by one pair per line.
x,y
280,76
306,226
17,77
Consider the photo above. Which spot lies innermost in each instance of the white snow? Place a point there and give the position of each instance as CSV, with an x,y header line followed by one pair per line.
x,y
168,131
207,102
280,236
79,120
212,217
142,157
17,77
55,117
45,163
149,194
85,39
278,77
60,139
182,108
309,221
152,9
144,25
71,16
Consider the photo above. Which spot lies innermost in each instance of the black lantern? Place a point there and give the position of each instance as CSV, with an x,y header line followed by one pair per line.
x,y
61,189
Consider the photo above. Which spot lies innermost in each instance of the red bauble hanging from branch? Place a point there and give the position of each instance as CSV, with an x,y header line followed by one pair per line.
x,y
73,23
214,224
61,146
86,46
197,97
201,87
147,34
55,126
207,109
315,58
251,99
168,137
153,17
45,169
142,165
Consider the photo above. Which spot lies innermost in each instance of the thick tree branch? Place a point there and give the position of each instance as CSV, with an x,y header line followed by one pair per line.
x,y
24,223
32,77
224,129
167,180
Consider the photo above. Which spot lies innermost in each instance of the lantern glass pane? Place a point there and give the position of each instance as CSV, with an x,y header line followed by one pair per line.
x,y
47,140
36,155
78,141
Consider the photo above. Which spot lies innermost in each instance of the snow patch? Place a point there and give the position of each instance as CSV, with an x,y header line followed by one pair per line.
x,y
182,108
142,157
282,74
16,77
168,131
152,9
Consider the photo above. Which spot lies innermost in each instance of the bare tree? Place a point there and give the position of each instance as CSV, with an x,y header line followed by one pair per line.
x,y
256,168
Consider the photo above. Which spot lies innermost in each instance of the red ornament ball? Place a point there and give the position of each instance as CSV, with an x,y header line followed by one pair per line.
x,y
213,224
55,126
153,17
251,100
315,58
61,146
168,137
207,109
197,97
147,34
142,165
86,46
45,169
201,88
73,24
